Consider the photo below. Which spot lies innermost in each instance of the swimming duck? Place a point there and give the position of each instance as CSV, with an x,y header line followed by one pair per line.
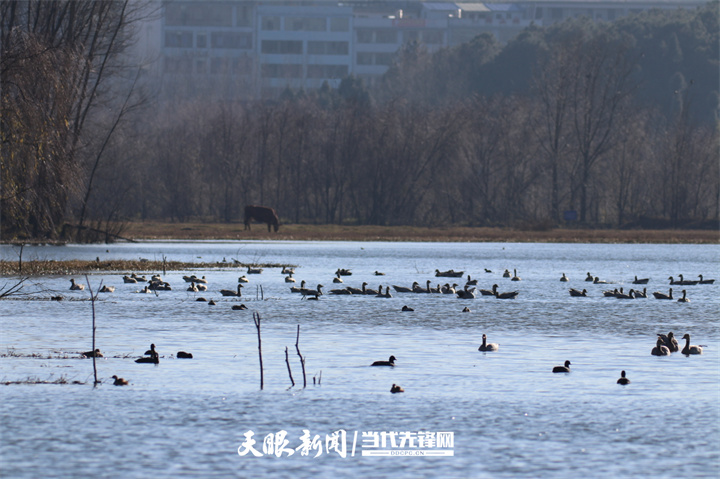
x,y
243,279
75,286
659,295
688,349
660,349
485,346
152,358
684,298
396,389
562,369
506,274
239,307
389,362
577,292
564,278
183,355
378,273
623,380
589,277
93,354
230,292
254,270
120,381
407,308
466,309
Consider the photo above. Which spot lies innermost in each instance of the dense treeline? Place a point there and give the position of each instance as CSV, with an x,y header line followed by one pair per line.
x,y
614,121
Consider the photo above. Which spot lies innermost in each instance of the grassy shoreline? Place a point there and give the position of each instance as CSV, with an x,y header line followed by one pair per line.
x,y
236,232
296,232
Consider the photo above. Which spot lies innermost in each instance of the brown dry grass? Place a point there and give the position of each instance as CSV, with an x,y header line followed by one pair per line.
x,y
297,232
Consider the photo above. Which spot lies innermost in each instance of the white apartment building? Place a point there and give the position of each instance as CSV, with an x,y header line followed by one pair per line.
x,y
239,49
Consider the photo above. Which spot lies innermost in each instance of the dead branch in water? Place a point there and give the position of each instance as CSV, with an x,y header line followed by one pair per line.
x,y
94,356
302,359
256,320
287,361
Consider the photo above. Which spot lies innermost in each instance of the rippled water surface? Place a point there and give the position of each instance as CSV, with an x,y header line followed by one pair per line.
x,y
509,414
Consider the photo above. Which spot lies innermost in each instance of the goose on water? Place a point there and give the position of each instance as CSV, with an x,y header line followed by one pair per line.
x,y
689,349
705,281
564,278
659,295
119,381
230,292
623,380
684,298
485,346
396,389
76,286
670,341
641,281
577,292
660,349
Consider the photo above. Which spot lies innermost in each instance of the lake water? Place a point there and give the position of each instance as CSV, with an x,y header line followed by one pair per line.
x,y
509,415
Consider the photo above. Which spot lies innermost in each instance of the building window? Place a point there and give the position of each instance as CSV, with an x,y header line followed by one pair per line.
x,y
271,70
339,24
305,24
328,48
178,39
411,36
271,23
385,36
556,13
384,58
231,40
364,36
538,13
364,58
244,16
611,14
177,65
327,71
282,47
201,40
198,14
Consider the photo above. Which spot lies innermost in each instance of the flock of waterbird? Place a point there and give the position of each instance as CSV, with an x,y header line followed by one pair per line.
x,y
664,346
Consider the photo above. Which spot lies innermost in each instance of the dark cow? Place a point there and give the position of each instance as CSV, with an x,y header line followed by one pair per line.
x,y
261,214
